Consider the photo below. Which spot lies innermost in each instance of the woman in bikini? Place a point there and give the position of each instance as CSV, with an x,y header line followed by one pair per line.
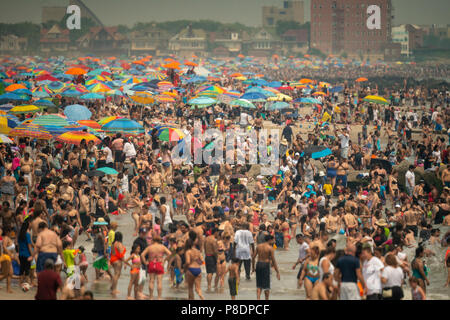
x,y
135,258
221,262
193,269
311,274
331,170
117,257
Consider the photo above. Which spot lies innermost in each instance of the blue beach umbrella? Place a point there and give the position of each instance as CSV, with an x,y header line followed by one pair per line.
x,y
77,112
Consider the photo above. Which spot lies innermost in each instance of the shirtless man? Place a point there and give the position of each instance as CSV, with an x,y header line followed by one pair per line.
x,y
410,217
85,210
266,258
26,165
35,224
333,222
324,290
48,246
350,221
211,253
155,252
67,192
155,181
321,242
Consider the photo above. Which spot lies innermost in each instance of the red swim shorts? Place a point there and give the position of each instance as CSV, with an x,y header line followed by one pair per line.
x,y
155,267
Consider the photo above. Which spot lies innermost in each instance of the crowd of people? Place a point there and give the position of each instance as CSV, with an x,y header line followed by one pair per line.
x,y
195,221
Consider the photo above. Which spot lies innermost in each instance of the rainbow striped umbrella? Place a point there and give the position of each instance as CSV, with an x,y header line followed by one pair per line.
x,y
105,120
75,137
30,130
170,134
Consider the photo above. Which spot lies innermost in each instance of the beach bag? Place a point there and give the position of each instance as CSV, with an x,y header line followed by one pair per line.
x,y
142,276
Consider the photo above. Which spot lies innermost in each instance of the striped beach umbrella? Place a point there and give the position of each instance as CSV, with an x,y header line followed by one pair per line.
x,y
75,137
30,130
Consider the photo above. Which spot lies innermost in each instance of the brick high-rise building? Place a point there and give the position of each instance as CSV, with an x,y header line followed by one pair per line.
x,y
339,26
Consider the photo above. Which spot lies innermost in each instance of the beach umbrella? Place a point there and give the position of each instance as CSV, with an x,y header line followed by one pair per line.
x,y
30,130
6,124
316,152
376,99
242,103
77,112
14,87
24,109
44,103
172,65
308,100
361,80
92,96
280,97
165,98
12,97
75,137
254,96
123,125
303,81
90,123
170,134
108,170
277,106
54,120
105,120
5,139
143,97
76,71
202,102
190,63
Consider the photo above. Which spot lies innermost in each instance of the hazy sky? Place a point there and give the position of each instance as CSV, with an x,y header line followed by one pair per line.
x,y
112,12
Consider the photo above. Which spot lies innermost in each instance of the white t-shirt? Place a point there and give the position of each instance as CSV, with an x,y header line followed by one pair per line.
x,y
243,239
344,140
109,156
129,150
410,176
393,275
330,268
303,250
371,272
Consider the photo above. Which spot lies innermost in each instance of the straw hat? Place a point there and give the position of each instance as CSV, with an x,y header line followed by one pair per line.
x,y
284,142
321,174
66,181
381,223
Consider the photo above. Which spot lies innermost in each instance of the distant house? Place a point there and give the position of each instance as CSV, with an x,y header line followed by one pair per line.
x,y
55,39
263,44
104,40
295,41
11,43
151,40
189,42
228,43
409,36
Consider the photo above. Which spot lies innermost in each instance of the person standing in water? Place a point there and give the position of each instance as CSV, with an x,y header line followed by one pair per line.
x,y
266,258
193,270
155,252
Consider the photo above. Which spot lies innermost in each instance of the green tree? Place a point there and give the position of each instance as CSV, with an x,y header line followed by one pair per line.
x,y
283,26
